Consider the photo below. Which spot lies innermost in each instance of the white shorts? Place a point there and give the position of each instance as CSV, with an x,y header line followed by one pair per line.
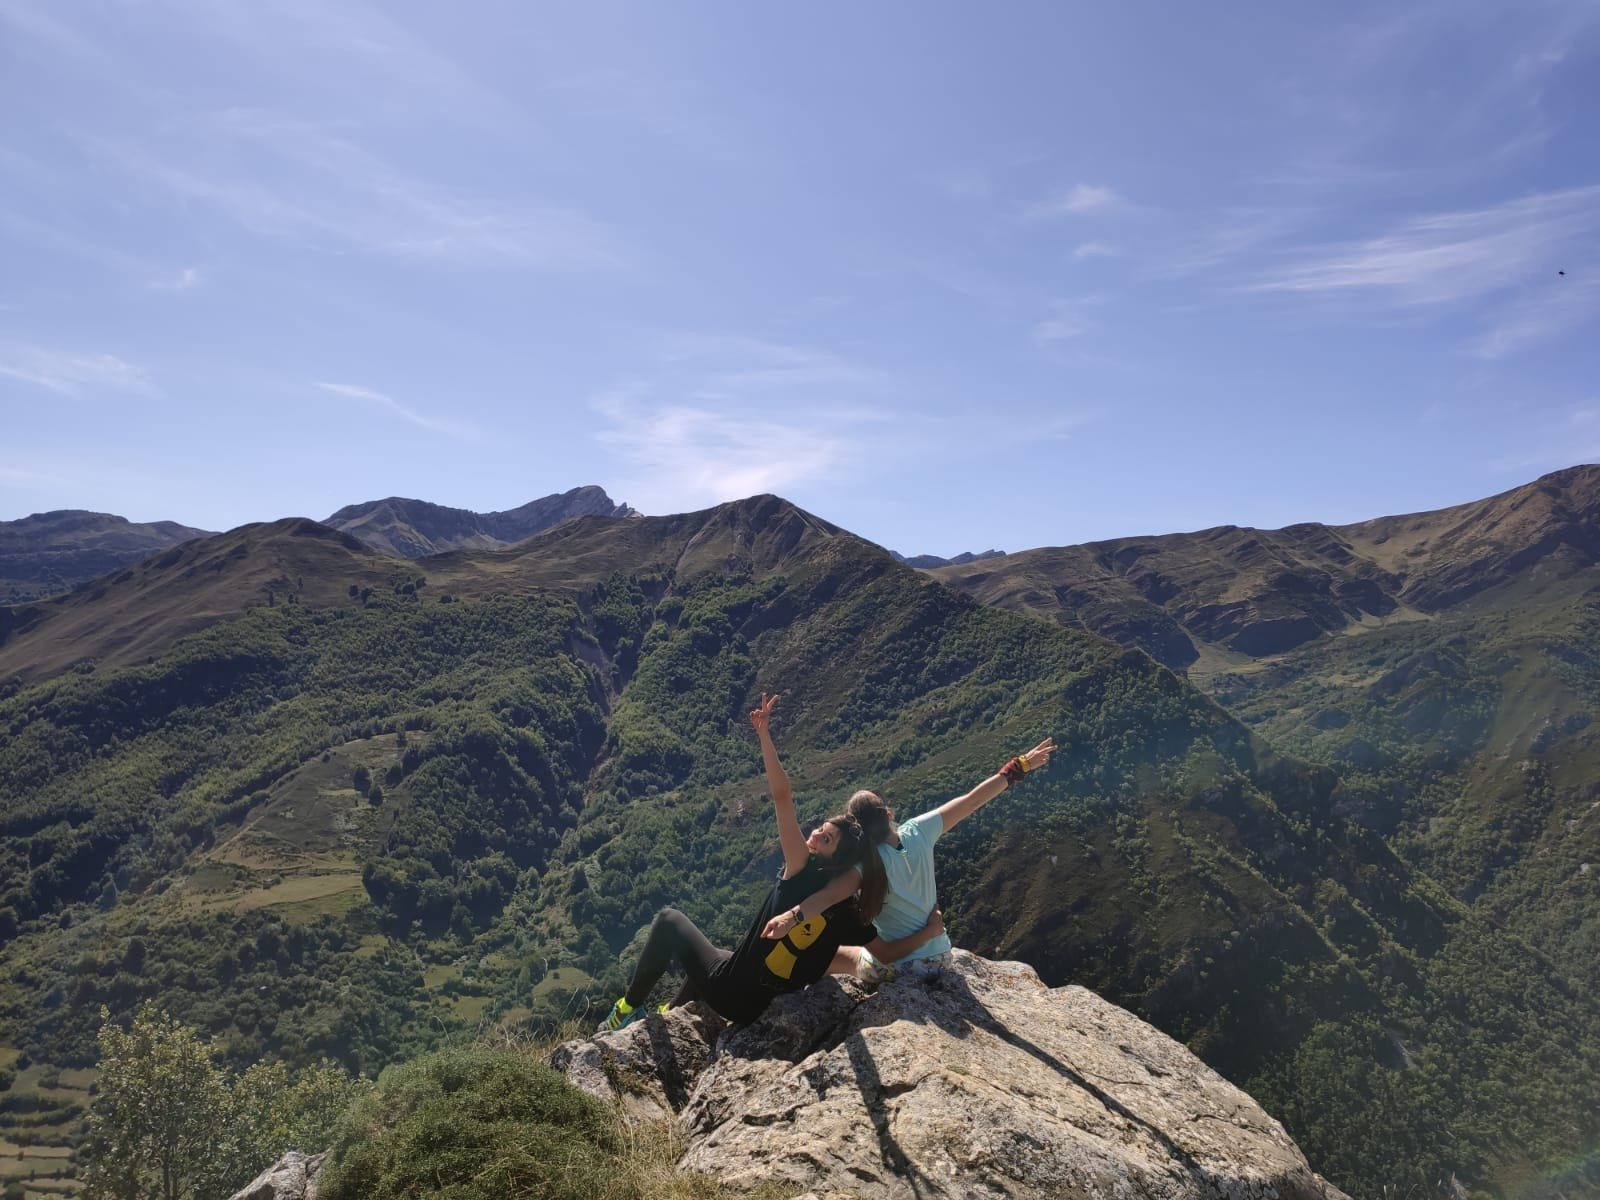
x,y
931,967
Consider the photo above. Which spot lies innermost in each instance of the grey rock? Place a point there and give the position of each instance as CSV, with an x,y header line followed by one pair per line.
x,y
985,1083
292,1177
648,1069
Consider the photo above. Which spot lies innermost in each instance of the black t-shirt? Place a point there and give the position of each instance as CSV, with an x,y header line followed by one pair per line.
x,y
802,955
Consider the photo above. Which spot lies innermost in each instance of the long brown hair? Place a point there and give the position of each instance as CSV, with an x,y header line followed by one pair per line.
x,y
868,810
858,848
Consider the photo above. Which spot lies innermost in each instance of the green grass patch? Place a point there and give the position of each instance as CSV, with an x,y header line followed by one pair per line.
x,y
9,1152
470,1009
302,890
562,979
369,946
216,877
436,977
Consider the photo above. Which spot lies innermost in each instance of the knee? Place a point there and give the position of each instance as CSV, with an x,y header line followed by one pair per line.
x,y
670,916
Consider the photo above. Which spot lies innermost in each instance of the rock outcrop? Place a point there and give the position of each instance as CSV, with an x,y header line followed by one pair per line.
x,y
292,1177
985,1083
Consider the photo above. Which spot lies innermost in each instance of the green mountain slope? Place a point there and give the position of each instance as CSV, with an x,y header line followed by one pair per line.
x,y
1441,659
423,796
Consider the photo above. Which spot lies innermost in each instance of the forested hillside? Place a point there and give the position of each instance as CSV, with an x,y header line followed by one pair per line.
x,y
319,801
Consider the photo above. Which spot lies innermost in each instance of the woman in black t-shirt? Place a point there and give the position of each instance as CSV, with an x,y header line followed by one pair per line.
x,y
740,983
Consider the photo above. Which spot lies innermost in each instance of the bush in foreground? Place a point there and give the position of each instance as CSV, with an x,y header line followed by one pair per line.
x,y
474,1123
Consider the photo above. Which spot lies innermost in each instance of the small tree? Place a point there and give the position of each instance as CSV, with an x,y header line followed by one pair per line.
x,y
168,1123
160,1123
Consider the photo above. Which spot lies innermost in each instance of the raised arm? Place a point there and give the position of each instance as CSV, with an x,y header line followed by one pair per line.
x,y
953,812
838,889
888,952
790,837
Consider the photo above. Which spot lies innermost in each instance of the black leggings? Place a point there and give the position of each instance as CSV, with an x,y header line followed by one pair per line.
x,y
675,938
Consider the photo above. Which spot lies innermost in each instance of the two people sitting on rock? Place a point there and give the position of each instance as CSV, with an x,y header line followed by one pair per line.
x,y
819,914
905,853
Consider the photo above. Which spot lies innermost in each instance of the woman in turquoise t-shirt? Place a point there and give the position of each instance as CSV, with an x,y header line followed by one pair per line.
x,y
740,983
906,852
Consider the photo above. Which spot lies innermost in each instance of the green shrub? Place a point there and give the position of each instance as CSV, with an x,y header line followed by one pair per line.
x,y
473,1124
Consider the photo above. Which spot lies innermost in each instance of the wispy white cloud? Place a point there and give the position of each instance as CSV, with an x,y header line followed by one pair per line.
x,y
1067,320
389,405
1539,312
40,23
965,183
310,186
721,416
1094,250
1453,255
729,363
1064,325
1561,440
365,40
684,455
1075,201
72,373
38,234
1223,239
309,182
182,281
975,281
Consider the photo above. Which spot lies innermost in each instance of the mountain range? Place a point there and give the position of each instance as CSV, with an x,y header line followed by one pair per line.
x,y
415,528
319,799
48,553
1444,662
1220,596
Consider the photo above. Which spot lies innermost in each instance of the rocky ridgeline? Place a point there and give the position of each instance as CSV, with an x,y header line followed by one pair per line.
x,y
983,1084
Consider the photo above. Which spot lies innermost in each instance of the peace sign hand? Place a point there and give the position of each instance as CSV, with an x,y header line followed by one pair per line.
x,y
762,715
1039,756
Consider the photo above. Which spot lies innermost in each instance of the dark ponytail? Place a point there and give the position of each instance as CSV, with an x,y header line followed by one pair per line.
x,y
859,837
869,811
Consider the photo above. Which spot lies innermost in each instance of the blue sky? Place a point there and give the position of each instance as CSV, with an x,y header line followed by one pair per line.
x,y
953,276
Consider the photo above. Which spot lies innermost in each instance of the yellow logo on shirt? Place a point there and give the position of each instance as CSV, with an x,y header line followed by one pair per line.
x,y
781,958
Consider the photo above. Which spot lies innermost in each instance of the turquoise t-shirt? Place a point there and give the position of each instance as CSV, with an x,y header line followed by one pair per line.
x,y
913,893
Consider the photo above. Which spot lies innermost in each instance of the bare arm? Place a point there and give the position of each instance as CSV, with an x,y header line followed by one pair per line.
x,y
838,889
953,812
790,838
888,952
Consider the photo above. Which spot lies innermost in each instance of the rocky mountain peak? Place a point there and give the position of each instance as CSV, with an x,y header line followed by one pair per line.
x,y
983,1083
418,528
